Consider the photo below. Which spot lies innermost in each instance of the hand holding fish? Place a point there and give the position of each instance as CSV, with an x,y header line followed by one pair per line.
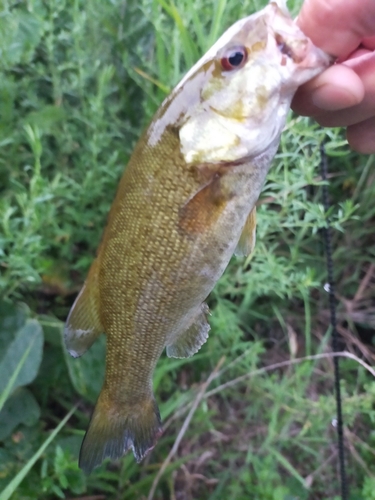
x,y
344,94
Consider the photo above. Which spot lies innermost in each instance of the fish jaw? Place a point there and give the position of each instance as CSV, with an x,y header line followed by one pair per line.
x,y
301,59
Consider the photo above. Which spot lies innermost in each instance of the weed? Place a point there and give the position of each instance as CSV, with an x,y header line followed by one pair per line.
x,y
79,82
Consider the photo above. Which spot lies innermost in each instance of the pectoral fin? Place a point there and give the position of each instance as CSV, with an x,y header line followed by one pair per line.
x,y
247,239
190,341
204,208
83,325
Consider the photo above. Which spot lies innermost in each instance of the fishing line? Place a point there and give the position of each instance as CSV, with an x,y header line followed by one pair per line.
x,y
327,237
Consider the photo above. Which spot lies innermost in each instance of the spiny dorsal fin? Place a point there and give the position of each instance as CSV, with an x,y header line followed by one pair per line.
x,y
83,325
247,239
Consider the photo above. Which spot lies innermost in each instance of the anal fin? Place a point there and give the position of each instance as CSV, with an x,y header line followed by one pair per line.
x,y
83,325
191,340
247,239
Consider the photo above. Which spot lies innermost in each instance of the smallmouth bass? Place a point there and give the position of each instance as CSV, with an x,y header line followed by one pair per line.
x,y
185,204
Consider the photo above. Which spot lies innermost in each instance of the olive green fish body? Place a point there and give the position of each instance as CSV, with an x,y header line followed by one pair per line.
x,y
163,251
184,205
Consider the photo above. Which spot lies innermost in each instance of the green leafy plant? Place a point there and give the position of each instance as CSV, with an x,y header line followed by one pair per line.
x,y
79,82
21,352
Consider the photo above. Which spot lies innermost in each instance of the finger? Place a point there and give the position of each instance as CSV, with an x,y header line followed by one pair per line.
x,y
337,26
365,71
360,52
361,136
336,88
369,42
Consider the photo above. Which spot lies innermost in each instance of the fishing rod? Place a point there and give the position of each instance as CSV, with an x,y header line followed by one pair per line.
x,y
327,238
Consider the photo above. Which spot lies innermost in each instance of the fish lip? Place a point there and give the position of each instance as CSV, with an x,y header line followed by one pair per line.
x,y
305,54
316,57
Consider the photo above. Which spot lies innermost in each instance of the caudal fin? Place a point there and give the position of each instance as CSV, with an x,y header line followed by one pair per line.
x,y
113,431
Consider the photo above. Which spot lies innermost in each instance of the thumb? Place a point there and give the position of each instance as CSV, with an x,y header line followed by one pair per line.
x,y
337,26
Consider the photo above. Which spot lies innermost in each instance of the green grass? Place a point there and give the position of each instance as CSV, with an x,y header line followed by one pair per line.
x,y
79,81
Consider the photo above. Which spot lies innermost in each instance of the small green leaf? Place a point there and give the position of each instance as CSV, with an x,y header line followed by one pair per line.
x,y
87,372
12,317
30,336
20,408
46,118
20,34
368,490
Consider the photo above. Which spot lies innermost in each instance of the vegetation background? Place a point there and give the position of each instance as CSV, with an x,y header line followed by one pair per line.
x,y
79,81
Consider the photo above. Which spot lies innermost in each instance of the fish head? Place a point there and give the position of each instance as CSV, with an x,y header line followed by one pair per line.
x,y
233,103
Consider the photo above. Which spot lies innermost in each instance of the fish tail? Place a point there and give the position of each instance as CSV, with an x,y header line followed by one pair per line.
x,y
113,431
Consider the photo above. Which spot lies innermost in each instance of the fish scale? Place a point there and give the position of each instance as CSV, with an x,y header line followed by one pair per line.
x,y
185,201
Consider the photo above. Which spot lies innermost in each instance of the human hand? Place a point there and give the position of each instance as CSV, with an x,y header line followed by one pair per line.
x,y
344,94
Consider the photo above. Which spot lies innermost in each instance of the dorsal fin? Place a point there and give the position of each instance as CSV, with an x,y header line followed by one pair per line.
x,y
83,325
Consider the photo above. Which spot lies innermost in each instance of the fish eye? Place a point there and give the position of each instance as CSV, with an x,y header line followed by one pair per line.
x,y
234,58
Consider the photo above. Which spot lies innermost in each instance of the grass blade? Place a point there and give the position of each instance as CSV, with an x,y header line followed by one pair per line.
x,y
13,485
8,389
217,21
287,465
190,51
